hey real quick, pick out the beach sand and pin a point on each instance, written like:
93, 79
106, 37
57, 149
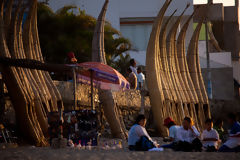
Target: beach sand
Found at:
32, 153
47, 153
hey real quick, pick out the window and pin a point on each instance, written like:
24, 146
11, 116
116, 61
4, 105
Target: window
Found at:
138, 34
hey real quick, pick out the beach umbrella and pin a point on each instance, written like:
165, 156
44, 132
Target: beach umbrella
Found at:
97, 75
103, 76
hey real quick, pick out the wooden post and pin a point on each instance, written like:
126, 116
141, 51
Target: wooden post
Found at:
2, 100
74, 89
142, 109
92, 99
209, 87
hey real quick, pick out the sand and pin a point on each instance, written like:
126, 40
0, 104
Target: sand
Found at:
47, 153
32, 153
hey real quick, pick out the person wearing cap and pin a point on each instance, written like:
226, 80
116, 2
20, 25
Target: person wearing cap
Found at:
172, 127
72, 58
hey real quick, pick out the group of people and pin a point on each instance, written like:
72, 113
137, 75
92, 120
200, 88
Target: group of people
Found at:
135, 77
186, 137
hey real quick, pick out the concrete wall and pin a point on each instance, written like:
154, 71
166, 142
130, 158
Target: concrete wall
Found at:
231, 31
236, 71
222, 83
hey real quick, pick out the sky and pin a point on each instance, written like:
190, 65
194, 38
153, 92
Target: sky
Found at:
225, 2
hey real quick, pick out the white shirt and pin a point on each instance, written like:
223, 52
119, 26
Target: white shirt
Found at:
187, 135
210, 134
135, 133
173, 132
141, 79
233, 142
134, 70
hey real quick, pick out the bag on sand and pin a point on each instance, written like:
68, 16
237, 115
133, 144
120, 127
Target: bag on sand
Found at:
144, 144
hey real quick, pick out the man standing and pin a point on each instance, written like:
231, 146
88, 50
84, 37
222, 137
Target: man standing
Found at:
133, 65
140, 79
132, 79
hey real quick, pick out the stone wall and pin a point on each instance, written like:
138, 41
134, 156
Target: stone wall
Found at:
127, 98
128, 102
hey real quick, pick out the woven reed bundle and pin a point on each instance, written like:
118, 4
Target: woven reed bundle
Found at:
110, 109
23, 104
180, 111
170, 86
172, 39
189, 108
192, 61
181, 55
173, 63
98, 52
213, 40
200, 78
196, 75
168, 97
34, 76
13, 51
172, 110
56, 99
41, 100
152, 68
39, 115
51, 99
32, 90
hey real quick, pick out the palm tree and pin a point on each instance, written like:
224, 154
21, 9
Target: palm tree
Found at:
122, 64
70, 29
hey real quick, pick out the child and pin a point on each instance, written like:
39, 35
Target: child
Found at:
218, 126
170, 124
210, 137
233, 142
188, 137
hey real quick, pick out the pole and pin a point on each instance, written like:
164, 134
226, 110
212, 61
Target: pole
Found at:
2, 100
74, 89
92, 100
209, 88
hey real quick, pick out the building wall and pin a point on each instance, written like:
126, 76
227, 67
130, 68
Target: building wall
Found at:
118, 9
222, 83
133, 18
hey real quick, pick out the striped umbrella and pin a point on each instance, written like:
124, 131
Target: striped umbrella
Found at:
103, 76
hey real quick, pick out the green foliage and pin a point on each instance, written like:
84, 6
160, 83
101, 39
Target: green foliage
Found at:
122, 64
66, 31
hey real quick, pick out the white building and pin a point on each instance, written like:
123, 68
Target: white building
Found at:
133, 18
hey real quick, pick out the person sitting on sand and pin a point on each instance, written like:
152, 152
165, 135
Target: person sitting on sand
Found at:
188, 137
210, 137
172, 127
218, 126
233, 142
138, 138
